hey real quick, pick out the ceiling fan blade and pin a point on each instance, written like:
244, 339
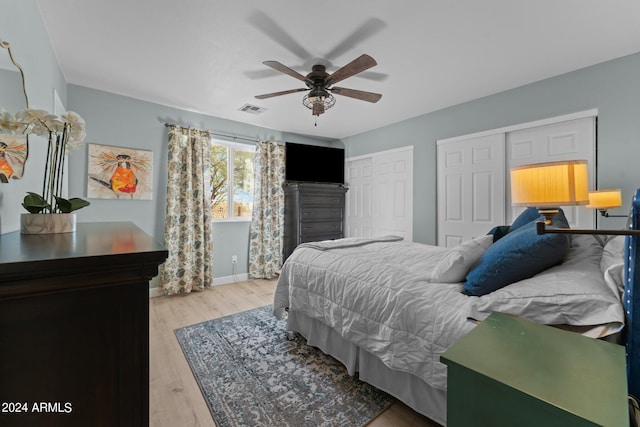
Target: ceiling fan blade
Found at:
372, 75
275, 32
357, 94
284, 92
284, 69
365, 31
361, 63
261, 74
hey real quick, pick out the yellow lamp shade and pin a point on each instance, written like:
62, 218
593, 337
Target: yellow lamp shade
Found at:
549, 185
605, 199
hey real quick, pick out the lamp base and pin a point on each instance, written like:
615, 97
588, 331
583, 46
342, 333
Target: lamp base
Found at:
548, 214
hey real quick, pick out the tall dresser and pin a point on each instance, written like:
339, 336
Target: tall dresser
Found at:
74, 326
313, 212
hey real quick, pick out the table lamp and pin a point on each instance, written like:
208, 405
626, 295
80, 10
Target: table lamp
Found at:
547, 186
602, 200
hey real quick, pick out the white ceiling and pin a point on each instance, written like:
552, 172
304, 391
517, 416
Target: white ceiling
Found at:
206, 55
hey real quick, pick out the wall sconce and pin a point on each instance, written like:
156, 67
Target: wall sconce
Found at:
605, 199
547, 186
541, 228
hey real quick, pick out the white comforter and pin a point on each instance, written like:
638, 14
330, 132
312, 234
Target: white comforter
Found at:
377, 294
387, 307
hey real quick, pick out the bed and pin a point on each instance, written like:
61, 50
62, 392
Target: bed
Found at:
387, 309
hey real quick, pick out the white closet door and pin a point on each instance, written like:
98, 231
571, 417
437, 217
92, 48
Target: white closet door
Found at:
393, 193
380, 196
568, 140
471, 189
359, 204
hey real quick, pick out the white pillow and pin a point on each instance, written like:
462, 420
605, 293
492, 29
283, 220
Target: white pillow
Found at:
455, 265
612, 253
572, 293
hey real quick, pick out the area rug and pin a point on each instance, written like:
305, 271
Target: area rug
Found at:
253, 372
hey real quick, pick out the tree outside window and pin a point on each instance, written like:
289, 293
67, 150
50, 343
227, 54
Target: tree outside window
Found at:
231, 178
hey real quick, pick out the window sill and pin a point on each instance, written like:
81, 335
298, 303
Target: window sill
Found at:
241, 219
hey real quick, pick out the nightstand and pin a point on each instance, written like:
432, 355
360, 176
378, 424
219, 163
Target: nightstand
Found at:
512, 372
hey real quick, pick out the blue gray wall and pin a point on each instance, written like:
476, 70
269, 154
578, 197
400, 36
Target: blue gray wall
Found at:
128, 122
612, 87
22, 26
111, 120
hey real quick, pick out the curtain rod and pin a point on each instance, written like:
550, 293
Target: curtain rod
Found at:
219, 134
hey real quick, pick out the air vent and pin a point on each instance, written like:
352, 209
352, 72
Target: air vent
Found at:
253, 109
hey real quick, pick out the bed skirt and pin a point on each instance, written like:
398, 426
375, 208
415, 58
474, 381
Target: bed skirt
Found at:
408, 388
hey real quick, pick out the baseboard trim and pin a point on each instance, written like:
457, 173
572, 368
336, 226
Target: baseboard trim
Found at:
217, 281
155, 292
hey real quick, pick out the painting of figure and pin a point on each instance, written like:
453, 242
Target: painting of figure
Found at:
13, 154
119, 173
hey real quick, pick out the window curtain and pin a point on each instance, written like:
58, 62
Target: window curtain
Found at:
266, 235
187, 233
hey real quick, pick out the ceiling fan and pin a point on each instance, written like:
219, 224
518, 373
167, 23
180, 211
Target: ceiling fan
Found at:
320, 84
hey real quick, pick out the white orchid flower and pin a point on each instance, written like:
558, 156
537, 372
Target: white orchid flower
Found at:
33, 121
73, 118
76, 129
9, 123
53, 123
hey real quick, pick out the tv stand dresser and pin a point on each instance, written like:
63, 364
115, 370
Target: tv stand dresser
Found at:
312, 212
74, 326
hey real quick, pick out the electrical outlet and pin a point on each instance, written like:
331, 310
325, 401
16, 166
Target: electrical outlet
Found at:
234, 259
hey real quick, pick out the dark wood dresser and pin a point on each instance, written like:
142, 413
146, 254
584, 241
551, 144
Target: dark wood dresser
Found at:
313, 212
74, 326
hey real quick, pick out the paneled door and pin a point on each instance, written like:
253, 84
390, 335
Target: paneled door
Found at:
474, 188
470, 188
359, 203
567, 140
380, 197
393, 193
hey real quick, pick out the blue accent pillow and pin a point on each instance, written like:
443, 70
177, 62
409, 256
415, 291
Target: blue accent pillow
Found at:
631, 299
517, 256
498, 232
525, 217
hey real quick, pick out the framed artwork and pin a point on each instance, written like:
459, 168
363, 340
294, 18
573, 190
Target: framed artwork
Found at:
14, 150
119, 173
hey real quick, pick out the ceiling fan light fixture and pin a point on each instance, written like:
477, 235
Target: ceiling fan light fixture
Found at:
319, 83
318, 101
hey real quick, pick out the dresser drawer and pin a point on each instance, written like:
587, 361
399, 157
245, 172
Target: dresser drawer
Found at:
321, 200
324, 227
321, 213
320, 237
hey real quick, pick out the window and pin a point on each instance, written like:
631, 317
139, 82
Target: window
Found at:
231, 181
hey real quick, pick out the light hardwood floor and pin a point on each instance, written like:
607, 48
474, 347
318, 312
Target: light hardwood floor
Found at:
175, 399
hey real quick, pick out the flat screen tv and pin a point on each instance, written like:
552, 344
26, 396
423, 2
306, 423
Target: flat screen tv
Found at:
312, 163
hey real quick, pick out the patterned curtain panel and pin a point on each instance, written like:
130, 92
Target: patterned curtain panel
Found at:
187, 233
267, 223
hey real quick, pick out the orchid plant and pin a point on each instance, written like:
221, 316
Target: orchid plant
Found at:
64, 133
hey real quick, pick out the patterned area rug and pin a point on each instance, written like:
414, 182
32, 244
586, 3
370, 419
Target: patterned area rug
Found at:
253, 372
